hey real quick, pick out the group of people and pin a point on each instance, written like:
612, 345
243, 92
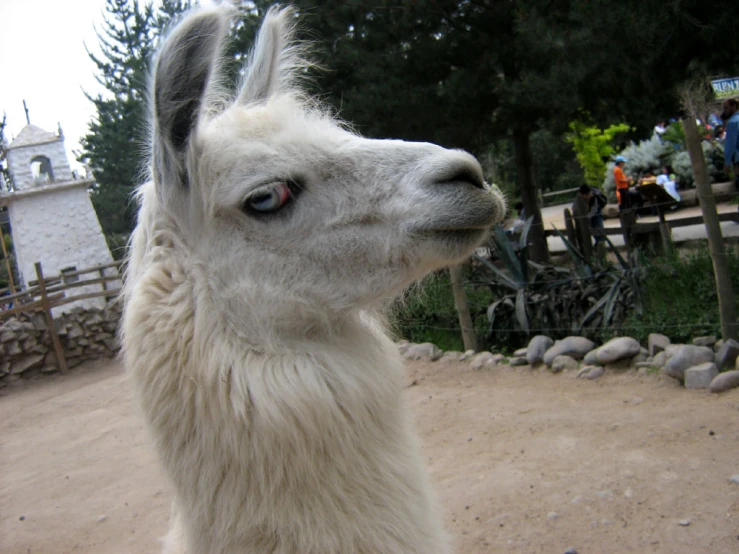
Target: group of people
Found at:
628, 194
730, 117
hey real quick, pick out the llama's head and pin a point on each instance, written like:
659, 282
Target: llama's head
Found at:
280, 212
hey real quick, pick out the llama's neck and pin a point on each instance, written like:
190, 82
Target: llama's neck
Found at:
309, 449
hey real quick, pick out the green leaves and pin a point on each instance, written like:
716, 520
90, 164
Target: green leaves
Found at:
557, 301
593, 146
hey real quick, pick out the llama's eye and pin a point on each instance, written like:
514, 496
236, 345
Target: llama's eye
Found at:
269, 198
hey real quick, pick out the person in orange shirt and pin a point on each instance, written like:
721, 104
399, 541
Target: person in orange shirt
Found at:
622, 183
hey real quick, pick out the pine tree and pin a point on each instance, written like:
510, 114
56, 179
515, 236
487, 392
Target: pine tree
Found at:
115, 146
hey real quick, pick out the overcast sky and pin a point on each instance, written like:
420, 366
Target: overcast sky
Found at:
43, 60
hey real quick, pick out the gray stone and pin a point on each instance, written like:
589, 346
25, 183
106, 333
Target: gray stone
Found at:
4, 367
95, 319
659, 359
74, 332
537, 348
13, 348
467, 354
727, 354
402, 346
425, 350
111, 344
572, 549
595, 373
718, 345
642, 356
590, 372
700, 376
683, 356
7, 336
552, 516
561, 363
25, 363
618, 349
725, 381
576, 347
517, 362
450, 357
483, 359
14, 325
657, 343
644, 365
520, 353
591, 358
28, 344
73, 352
734, 479
704, 341
684, 522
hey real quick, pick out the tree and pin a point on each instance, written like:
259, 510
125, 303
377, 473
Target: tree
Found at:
116, 143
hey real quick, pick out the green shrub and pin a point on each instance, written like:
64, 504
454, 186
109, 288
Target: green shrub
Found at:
426, 312
593, 146
680, 299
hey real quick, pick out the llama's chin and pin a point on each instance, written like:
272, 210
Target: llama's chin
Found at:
453, 245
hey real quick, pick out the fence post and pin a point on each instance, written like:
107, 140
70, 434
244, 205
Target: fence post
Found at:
50, 320
7, 262
463, 308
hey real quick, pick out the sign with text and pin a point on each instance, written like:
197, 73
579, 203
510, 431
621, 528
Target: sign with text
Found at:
726, 88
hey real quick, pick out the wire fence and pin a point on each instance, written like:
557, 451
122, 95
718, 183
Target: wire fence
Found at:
441, 316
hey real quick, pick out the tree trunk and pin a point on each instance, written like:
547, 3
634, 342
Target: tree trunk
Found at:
538, 251
726, 305
463, 308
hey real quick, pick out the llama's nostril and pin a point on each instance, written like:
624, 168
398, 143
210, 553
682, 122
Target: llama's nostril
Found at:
464, 176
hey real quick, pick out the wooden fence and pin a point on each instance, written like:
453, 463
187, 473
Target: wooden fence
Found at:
46, 293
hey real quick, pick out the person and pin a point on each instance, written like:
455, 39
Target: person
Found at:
660, 128
622, 183
730, 115
667, 181
518, 224
596, 200
648, 178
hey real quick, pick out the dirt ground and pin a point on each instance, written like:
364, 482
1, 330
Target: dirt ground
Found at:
523, 461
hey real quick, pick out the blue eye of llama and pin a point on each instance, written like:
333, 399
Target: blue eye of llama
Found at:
269, 198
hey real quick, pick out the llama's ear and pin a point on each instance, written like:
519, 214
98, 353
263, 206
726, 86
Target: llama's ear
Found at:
274, 59
183, 70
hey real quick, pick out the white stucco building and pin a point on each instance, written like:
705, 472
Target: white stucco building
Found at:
50, 212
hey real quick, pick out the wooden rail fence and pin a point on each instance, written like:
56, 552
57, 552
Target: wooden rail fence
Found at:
46, 293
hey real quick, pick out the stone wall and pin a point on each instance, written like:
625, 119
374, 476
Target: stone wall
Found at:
26, 350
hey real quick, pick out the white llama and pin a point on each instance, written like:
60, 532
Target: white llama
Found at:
268, 243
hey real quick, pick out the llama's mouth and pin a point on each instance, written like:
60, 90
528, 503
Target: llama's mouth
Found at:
460, 238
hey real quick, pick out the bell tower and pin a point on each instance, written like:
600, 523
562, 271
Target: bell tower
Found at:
50, 212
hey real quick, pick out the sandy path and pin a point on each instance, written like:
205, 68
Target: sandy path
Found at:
524, 462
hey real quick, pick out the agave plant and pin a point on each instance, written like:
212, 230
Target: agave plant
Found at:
557, 301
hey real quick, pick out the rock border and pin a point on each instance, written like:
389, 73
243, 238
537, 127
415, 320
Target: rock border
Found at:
696, 366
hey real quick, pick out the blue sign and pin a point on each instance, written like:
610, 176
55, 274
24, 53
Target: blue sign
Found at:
726, 88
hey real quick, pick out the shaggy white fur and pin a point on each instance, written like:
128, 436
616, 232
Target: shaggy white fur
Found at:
267, 245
